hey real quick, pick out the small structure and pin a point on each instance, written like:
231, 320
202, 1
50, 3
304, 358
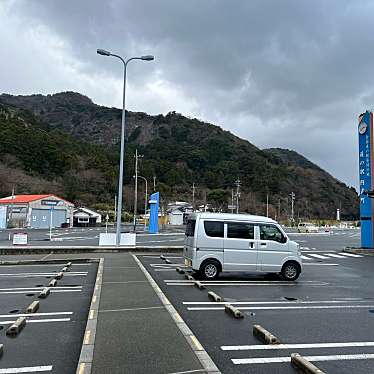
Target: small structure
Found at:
176, 217
84, 217
37, 211
178, 212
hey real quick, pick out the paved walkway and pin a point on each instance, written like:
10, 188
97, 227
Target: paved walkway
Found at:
135, 333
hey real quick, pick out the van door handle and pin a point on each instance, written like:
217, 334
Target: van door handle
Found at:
251, 244
263, 244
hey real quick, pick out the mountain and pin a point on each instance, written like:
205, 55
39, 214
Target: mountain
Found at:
81, 141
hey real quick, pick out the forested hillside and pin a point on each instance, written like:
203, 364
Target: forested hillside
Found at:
66, 144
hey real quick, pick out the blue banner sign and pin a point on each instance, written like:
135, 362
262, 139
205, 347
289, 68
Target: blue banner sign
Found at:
153, 215
365, 135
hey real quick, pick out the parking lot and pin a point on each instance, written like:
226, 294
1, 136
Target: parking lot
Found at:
326, 316
52, 338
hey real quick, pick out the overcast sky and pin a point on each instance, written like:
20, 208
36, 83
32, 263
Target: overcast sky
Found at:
292, 74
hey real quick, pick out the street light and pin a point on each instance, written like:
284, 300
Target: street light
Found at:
146, 200
103, 52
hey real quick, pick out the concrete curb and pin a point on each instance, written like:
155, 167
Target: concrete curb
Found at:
87, 351
180, 271
59, 275
235, 312
304, 365
199, 285
16, 327
33, 307
26, 250
52, 283
44, 294
363, 251
265, 336
213, 296
205, 360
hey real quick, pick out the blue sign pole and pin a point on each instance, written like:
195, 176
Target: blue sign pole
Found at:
365, 135
153, 215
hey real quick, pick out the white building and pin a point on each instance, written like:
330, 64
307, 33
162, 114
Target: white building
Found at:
83, 217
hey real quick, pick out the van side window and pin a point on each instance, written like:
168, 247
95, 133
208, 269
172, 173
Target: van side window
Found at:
213, 229
271, 232
240, 230
190, 228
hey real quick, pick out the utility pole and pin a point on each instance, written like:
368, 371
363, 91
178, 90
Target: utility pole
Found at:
237, 182
279, 209
292, 206
193, 196
232, 201
11, 209
115, 208
267, 205
154, 184
136, 187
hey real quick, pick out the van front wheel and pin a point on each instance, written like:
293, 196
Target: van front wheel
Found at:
210, 269
290, 271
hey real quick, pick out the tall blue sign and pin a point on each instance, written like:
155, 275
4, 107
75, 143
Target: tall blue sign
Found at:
153, 215
365, 135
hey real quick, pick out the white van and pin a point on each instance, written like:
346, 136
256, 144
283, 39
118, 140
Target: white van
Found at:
217, 242
307, 227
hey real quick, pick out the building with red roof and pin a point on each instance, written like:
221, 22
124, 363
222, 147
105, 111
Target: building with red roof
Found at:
36, 211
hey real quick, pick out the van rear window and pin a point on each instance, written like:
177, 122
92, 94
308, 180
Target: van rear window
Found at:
190, 229
213, 229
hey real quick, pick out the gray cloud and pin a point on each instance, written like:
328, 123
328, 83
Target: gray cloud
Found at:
280, 73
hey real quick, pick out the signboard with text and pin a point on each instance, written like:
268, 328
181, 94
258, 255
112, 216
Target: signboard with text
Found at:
365, 135
153, 217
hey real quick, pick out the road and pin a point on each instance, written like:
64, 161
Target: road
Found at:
174, 236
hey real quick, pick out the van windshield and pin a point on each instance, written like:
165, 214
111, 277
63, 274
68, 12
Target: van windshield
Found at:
190, 228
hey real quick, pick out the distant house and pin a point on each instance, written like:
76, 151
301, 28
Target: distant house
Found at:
176, 217
84, 217
178, 212
37, 211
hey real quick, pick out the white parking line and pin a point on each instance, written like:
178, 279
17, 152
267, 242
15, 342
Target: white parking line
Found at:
22, 292
295, 346
244, 281
39, 288
350, 254
317, 256
37, 321
268, 360
317, 264
305, 257
29, 369
30, 275
285, 307
334, 255
271, 302
36, 314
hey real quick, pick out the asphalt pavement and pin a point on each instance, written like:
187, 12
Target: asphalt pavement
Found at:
327, 315
52, 338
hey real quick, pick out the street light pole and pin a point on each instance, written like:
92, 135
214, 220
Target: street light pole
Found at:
292, 194
123, 127
237, 182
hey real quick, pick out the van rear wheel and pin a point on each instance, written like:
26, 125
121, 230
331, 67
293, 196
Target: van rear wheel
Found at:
210, 269
290, 271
